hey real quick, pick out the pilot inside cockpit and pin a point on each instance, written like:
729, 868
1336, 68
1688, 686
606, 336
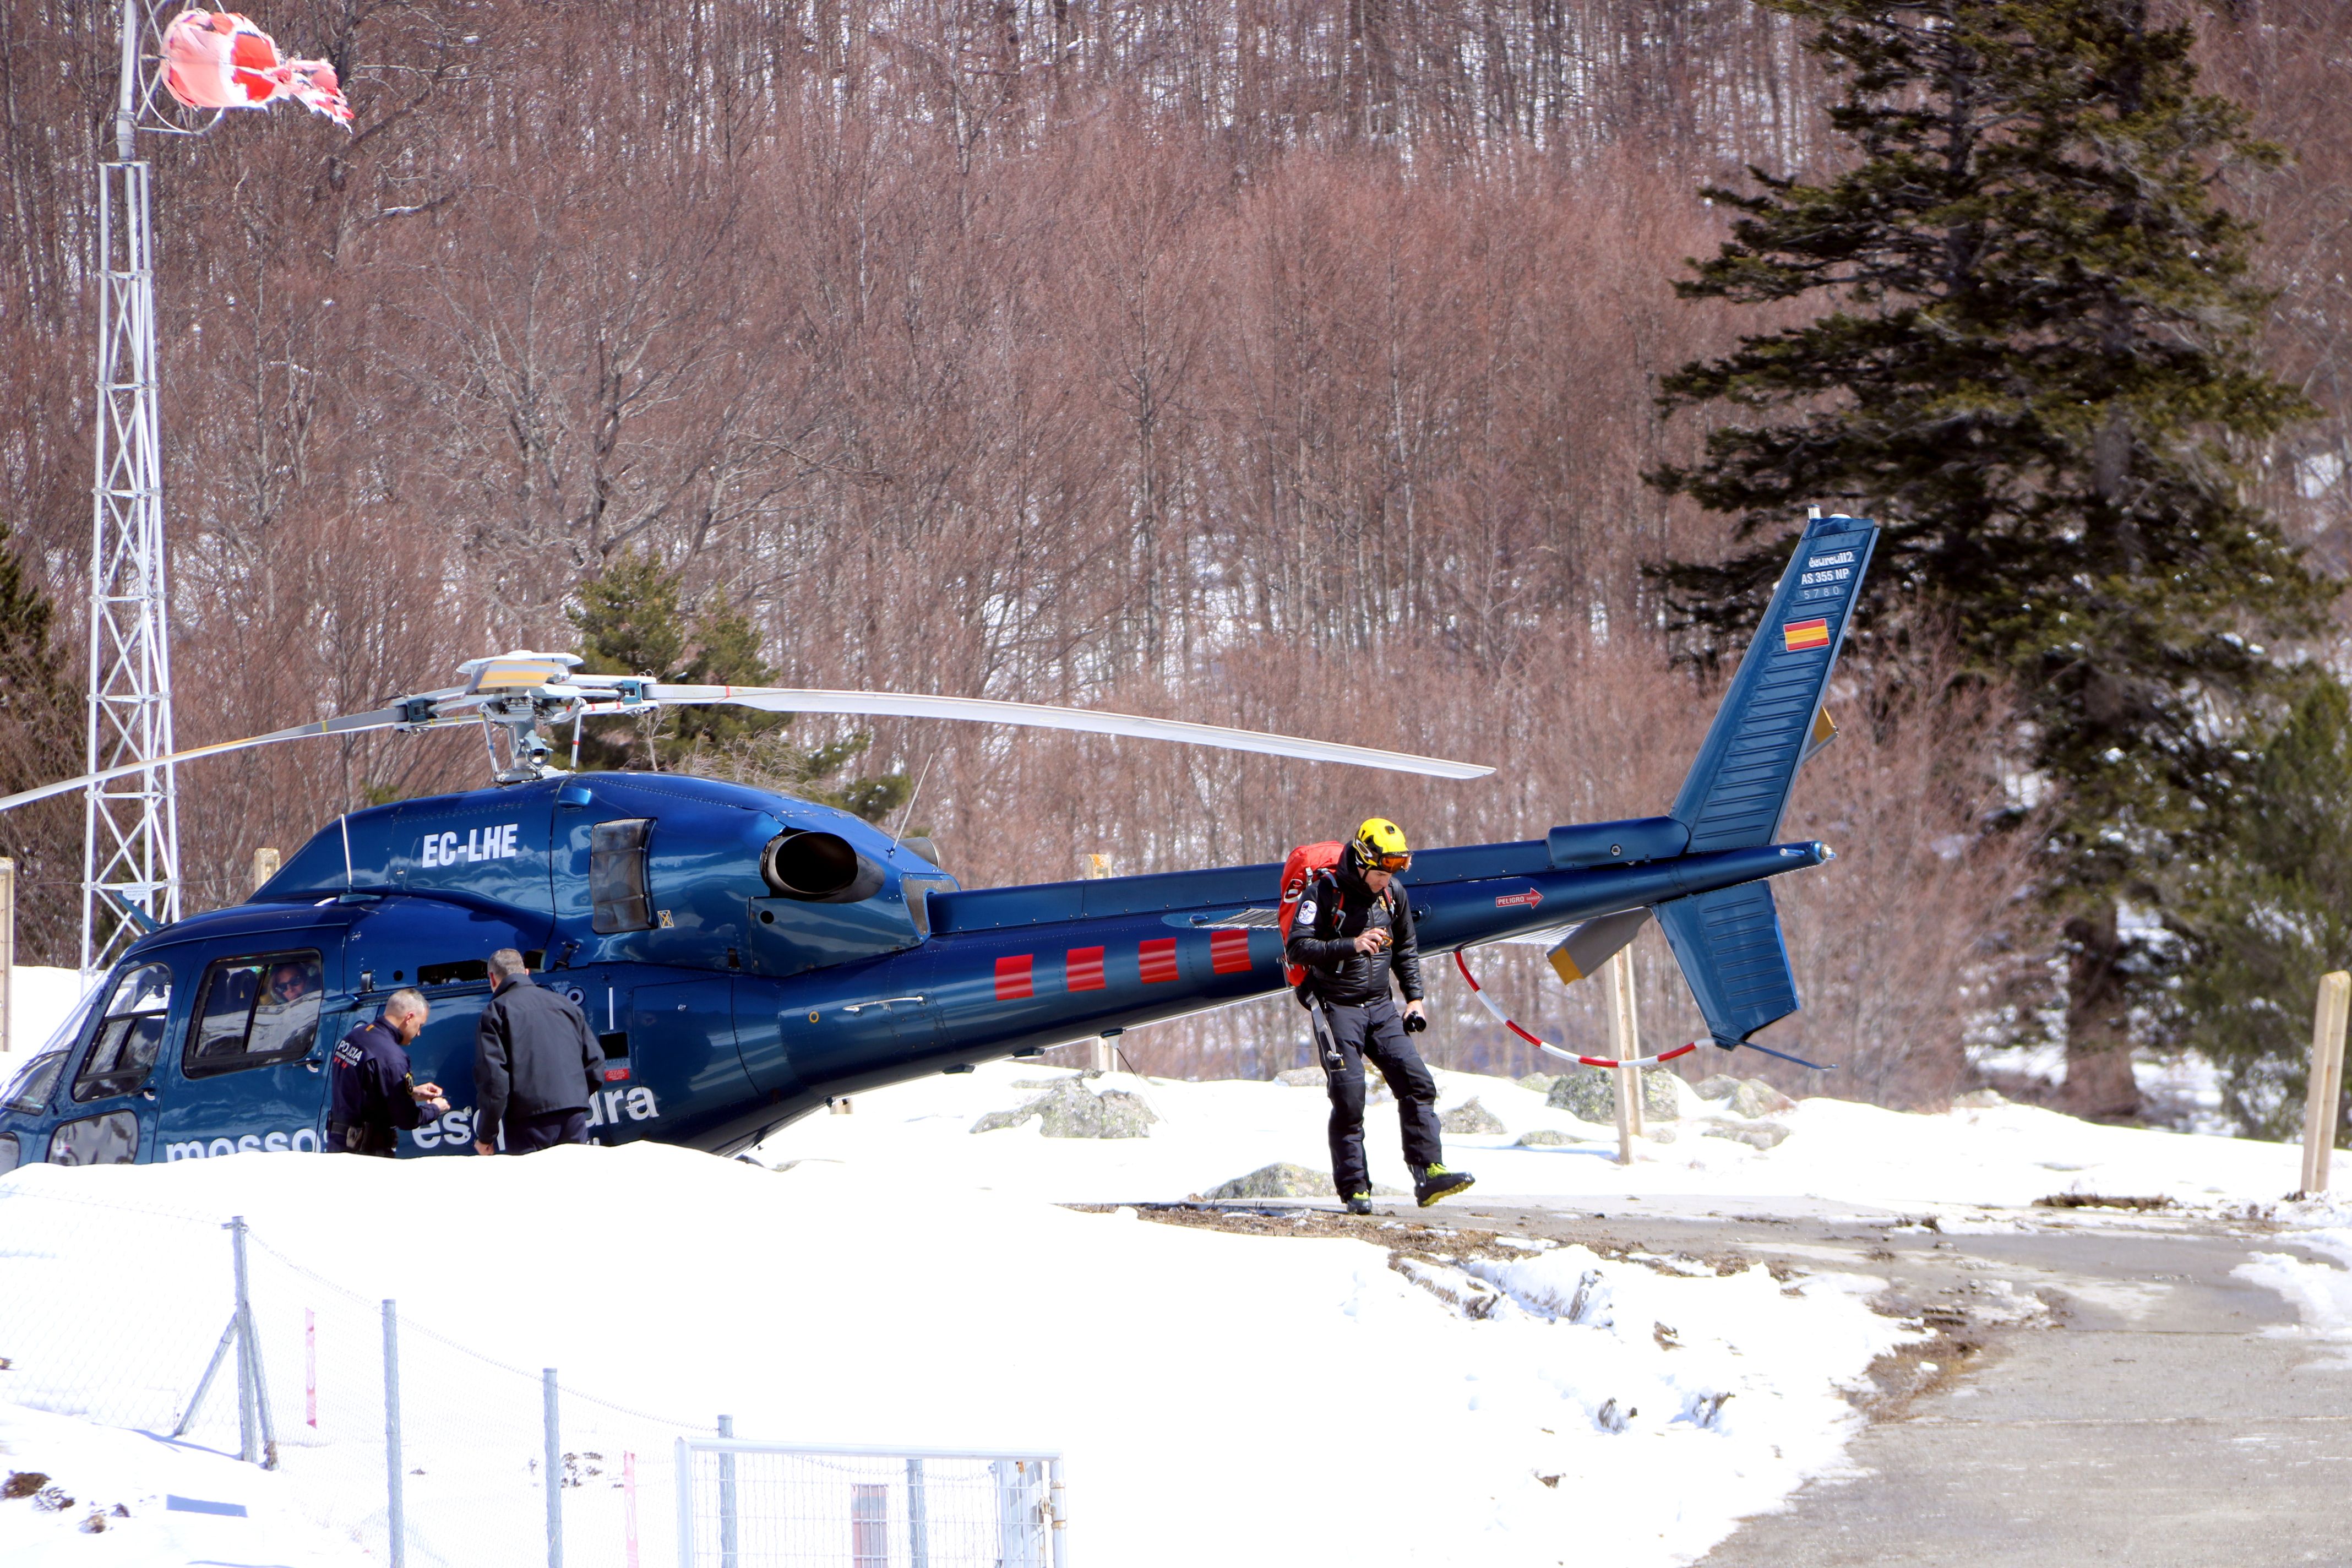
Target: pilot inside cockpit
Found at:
286, 1019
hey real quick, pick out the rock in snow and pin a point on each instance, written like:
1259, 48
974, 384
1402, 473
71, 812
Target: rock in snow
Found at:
1471, 1119
1745, 1096
1755, 1134
1589, 1094
1071, 1109
1279, 1180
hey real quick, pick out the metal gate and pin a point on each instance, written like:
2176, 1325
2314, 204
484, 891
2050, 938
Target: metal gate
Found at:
744, 1504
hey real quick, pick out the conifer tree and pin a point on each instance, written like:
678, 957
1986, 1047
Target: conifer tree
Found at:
41, 737
2264, 922
2035, 367
632, 620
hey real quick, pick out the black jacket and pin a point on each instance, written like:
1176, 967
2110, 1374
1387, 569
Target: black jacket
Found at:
533, 1053
1333, 911
369, 1075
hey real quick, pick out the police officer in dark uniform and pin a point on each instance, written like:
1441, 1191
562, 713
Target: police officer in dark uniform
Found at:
536, 1062
1351, 933
372, 1094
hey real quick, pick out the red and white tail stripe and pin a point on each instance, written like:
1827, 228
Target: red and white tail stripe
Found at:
1543, 1045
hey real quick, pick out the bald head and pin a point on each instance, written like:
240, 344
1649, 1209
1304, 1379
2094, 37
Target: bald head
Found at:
404, 1012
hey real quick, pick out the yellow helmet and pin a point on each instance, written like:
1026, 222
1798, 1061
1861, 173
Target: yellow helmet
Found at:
1380, 846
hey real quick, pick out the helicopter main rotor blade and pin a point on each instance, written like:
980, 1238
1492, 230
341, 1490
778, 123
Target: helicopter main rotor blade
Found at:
985, 711
348, 724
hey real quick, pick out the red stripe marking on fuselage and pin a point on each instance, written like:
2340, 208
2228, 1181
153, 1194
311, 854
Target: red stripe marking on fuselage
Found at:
1013, 978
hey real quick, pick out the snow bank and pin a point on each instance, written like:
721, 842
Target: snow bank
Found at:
2320, 1293
126, 1498
40, 998
1219, 1397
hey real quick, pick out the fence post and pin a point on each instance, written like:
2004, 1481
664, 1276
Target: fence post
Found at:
682, 1479
629, 1504
7, 952
395, 1515
1626, 1034
1060, 1514
727, 1498
2326, 1083
918, 1518
554, 1472
249, 1401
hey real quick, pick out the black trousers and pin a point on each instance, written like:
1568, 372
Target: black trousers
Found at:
526, 1134
1375, 1033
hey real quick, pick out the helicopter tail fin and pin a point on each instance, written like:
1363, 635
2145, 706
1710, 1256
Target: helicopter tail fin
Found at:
1771, 714
1729, 942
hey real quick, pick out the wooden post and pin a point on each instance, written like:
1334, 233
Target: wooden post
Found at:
1626, 1034
2326, 1083
1102, 1055
265, 866
8, 952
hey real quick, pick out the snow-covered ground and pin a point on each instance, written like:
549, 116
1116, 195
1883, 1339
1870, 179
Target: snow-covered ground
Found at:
2004, 1155
892, 1277
1236, 1398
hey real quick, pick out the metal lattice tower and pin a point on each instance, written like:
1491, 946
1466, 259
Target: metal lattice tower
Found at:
131, 833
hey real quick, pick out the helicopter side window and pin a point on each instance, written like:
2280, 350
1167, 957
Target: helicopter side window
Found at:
129, 1034
617, 875
253, 1011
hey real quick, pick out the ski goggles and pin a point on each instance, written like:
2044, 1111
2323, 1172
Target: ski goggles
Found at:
1374, 860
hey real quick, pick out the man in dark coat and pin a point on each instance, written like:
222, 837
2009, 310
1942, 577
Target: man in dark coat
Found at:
536, 1064
373, 1099
1353, 935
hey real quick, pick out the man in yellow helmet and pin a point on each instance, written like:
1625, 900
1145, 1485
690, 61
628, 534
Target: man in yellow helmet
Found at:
1352, 934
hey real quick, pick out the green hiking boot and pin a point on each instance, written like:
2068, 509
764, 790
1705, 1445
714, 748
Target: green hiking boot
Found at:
1357, 1203
1432, 1182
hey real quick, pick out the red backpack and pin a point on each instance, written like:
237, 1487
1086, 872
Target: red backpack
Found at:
1297, 872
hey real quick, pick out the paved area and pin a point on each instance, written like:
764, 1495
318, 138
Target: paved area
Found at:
2146, 1417
2101, 1388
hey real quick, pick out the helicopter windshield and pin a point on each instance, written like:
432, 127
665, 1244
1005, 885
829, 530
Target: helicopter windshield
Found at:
30, 1090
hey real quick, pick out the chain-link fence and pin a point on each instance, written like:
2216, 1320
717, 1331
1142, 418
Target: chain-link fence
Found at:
408, 1442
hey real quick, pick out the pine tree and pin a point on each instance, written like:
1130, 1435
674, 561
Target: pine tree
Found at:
2262, 923
2036, 370
632, 620
41, 737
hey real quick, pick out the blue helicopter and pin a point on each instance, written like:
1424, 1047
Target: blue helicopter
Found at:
745, 956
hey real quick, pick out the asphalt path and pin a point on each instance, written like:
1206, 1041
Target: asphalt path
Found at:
2102, 1388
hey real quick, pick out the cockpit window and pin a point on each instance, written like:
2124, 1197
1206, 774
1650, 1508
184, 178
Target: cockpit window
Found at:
129, 1034
617, 875
255, 1010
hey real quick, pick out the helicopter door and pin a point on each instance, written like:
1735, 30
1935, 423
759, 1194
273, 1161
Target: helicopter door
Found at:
249, 1059
682, 1067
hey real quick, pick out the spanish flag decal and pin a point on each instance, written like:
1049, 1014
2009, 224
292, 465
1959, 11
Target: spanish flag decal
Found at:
1802, 635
